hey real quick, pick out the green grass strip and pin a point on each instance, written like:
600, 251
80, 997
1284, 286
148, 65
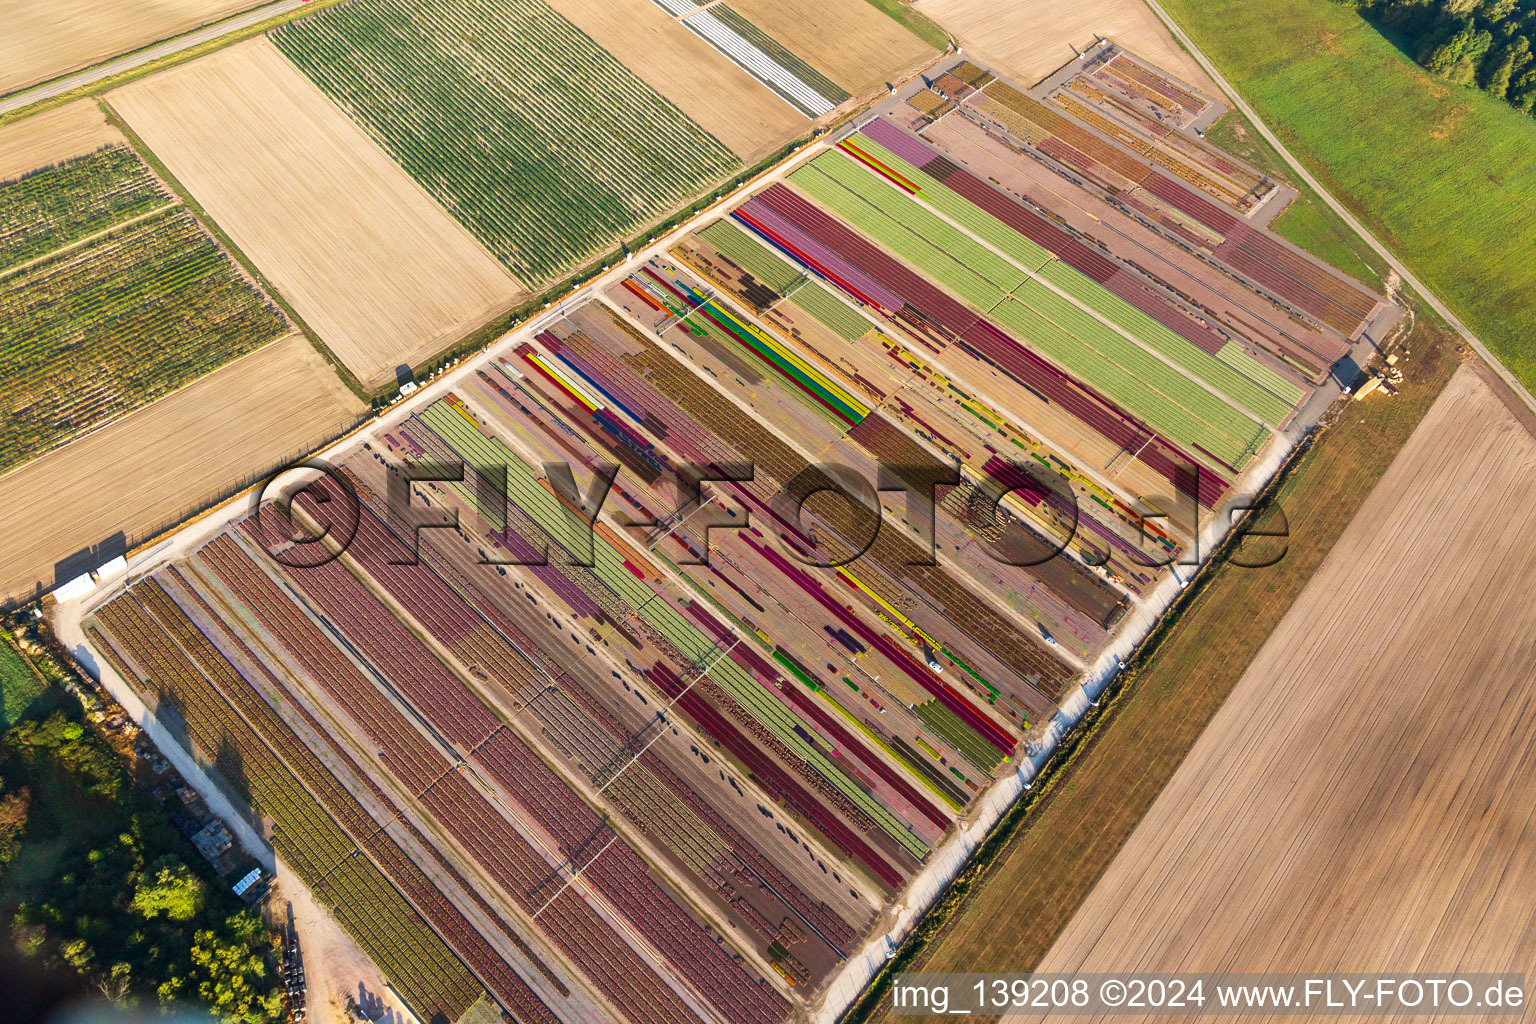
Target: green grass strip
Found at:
750, 255
819, 304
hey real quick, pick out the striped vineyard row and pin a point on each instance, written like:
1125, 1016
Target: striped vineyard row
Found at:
1089, 277
493, 970
230, 641
897, 561
428, 686
1240, 195
539, 141
1312, 289
693, 646
937, 321
57, 205
574, 720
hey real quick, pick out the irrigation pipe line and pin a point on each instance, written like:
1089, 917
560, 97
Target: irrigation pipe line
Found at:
1338, 208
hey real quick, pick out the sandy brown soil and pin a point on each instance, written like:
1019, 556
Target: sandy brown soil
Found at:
137, 473
850, 41
727, 102
1363, 800
74, 129
44, 39
1028, 39
334, 967
371, 263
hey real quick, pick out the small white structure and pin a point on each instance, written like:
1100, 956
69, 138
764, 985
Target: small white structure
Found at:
77, 587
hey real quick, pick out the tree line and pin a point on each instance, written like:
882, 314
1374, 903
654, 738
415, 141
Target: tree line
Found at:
1482, 43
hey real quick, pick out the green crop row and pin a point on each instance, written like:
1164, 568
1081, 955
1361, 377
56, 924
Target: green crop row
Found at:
836, 316
943, 245
958, 735
960, 209
556, 520
305, 834
1178, 350
539, 141
898, 238
90, 333
54, 206
1129, 375
750, 255
1237, 357
1264, 394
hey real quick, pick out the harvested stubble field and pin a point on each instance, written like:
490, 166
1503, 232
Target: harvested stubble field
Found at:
540, 142
184, 451
365, 257
1005, 912
1030, 39
1363, 800
74, 129
849, 41
717, 95
44, 39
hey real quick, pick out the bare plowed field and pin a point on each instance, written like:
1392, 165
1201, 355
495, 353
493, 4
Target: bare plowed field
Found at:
1031, 38
53, 136
44, 40
852, 42
720, 97
1363, 800
134, 475
369, 261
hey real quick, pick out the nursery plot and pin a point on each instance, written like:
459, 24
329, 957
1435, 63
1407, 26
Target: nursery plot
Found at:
111, 295
136, 476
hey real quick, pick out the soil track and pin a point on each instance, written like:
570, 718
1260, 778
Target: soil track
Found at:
1364, 800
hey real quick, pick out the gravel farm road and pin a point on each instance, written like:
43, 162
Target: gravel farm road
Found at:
149, 54
1392, 261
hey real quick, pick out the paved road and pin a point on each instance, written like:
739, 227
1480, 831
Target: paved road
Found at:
147, 55
1381, 250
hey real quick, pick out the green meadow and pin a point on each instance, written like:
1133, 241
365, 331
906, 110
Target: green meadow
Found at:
1444, 175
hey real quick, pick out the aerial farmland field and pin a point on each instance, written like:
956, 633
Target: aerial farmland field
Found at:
112, 293
995, 31
850, 41
75, 129
713, 92
707, 742
135, 476
45, 40
366, 258
544, 145
1335, 815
